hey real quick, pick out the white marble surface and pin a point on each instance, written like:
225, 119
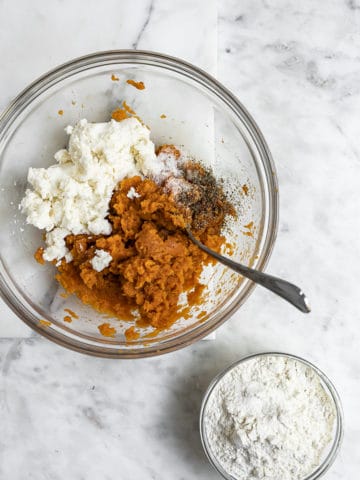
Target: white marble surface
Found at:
296, 67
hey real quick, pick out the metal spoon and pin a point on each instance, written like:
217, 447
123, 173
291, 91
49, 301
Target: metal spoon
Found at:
284, 289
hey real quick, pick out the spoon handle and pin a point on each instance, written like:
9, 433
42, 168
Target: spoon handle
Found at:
284, 289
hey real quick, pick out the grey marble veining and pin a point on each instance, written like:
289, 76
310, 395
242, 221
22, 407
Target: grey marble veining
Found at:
296, 67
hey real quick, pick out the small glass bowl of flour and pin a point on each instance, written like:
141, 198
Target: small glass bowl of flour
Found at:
271, 416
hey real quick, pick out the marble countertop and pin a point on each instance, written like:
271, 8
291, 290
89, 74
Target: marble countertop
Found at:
296, 67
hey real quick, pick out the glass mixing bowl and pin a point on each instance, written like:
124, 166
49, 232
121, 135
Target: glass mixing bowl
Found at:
182, 105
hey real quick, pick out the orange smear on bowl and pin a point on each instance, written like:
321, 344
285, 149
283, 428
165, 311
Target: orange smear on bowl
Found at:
131, 334
44, 323
124, 112
138, 85
38, 255
107, 330
70, 312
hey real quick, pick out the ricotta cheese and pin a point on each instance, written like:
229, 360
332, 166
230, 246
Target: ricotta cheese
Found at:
101, 260
132, 193
73, 195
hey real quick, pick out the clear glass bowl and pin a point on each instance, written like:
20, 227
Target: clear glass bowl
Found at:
201, 115
331, 451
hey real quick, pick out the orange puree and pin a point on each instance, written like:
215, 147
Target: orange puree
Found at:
71, 313
131, 334
123, 112
138, 85
106, 330
39, 255
153, 260
44, 323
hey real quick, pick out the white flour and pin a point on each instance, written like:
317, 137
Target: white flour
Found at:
269, 418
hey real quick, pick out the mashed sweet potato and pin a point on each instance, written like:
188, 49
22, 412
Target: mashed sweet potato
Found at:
153, 260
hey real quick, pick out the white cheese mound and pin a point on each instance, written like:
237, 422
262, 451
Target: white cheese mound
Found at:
73, 195
132, 193
101, 260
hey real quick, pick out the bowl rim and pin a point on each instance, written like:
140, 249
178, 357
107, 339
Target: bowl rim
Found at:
330, 388
108, 57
